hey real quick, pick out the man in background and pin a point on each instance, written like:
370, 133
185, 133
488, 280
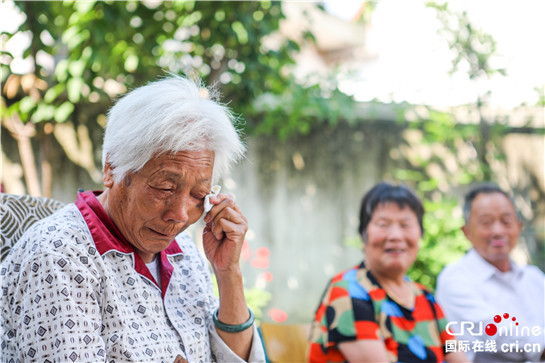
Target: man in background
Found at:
488, 289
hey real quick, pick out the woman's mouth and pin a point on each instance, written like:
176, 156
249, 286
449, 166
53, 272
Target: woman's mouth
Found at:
162, 235
394, 250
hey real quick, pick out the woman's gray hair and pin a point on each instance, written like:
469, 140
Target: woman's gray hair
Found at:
167, 116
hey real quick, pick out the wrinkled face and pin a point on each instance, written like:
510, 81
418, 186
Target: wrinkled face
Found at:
152, 206
493, 227
393, 236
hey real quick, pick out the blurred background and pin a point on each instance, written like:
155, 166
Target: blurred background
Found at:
332, 97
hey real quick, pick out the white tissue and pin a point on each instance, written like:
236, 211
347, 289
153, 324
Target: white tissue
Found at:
214, 191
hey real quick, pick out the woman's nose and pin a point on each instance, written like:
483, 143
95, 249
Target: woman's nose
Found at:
395, 232
176, 209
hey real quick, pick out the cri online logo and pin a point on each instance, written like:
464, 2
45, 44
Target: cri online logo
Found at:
492, 329
478, 329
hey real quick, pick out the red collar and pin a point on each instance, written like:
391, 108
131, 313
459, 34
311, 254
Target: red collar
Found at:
107, 237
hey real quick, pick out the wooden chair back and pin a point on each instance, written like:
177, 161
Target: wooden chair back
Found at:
285, 343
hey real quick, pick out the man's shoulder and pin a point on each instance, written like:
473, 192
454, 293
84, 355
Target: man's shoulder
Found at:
459, 270
533, 272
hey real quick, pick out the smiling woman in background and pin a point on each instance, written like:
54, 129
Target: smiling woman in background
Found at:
373, 312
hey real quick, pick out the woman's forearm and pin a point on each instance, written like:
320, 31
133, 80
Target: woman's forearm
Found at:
234, 311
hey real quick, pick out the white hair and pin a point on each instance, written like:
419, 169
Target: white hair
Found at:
167, 116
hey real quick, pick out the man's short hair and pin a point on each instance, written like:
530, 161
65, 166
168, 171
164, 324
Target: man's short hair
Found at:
484, 188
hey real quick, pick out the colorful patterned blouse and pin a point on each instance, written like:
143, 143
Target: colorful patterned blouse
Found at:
355, 307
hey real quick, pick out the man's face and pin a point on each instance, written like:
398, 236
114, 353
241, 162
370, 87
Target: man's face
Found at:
493, 227
152, 206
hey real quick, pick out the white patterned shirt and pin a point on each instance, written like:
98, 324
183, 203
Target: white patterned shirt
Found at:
73, 289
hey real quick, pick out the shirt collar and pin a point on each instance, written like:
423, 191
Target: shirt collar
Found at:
484, 270
107, 237
105, 233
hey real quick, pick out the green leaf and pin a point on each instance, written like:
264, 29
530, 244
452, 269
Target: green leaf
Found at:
84, 6
62, 113
44, 112
240, 31
61, 70
86, 54
76, 68
26, 104
54, 92
131, 63
74, 87
69, 34
73, 36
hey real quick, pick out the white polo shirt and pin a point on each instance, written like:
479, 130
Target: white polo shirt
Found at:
473, 290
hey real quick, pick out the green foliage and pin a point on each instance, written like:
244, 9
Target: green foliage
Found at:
472, 48
96, 51
540, 91
301, 110
231, 46
443, 241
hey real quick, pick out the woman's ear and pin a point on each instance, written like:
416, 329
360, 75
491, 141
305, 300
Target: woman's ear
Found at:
108, 176
363, 238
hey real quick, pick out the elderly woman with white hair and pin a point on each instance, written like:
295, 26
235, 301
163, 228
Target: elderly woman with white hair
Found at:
113, 276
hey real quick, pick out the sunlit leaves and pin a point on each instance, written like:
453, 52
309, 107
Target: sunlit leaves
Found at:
131, 63
74, 87
74, 36
43, 112
27, 104
75, 68
443, 240
63, 111
126, 44
473, 49
84, 7
240, 31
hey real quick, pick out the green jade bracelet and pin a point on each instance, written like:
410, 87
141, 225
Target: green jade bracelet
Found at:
233, 328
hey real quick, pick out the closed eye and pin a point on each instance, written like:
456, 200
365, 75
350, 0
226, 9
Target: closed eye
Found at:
165, 190
486, 223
